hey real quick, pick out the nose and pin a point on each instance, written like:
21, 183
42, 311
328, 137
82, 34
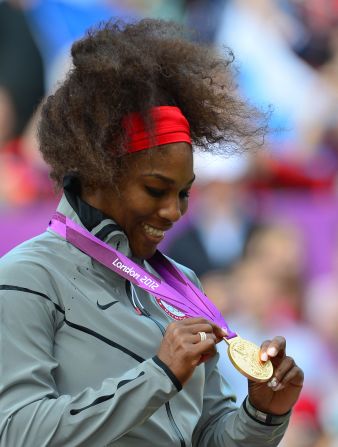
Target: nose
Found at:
171, 210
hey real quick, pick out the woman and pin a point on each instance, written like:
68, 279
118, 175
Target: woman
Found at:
88, 358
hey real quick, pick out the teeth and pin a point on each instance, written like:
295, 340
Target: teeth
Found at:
153, 231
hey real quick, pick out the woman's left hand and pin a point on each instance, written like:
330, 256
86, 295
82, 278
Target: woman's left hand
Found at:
282, 391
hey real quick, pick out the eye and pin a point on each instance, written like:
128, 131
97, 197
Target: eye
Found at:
155, 192
185, 194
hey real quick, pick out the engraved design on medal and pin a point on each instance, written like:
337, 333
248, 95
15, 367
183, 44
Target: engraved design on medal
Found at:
244, 355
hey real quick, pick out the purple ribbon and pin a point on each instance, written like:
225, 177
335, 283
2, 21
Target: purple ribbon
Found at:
175, 288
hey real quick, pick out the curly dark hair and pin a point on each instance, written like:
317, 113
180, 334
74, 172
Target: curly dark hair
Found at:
122, 68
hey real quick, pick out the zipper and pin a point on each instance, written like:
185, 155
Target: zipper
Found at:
141, 310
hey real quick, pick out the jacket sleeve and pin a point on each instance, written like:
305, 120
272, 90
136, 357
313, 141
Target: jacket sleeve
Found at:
32, 411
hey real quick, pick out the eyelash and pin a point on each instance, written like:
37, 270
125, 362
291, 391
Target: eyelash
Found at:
185, 194
158, 193
154, 192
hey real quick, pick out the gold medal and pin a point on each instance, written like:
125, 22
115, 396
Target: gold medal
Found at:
244, 355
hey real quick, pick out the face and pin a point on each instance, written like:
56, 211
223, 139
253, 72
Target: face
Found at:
153, 195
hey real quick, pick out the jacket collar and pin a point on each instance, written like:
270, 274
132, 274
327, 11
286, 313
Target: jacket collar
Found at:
100, 225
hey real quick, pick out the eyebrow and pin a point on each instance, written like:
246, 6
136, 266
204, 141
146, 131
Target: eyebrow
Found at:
167, 179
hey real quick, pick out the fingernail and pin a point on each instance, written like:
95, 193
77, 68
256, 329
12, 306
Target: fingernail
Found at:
273, 383
272, 351
264, 356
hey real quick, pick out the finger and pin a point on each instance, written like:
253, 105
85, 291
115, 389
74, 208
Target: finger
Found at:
263, 351
294, 377
207, 356
197, 338
196, 328
191, 333
194, 352
273, 348
192, 323
195, 320
219, 332
179, 328
277, 347
282, 369
206, 347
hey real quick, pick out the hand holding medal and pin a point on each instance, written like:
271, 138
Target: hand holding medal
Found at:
279, 394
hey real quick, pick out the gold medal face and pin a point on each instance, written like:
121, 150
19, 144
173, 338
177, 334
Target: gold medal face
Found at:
244, 355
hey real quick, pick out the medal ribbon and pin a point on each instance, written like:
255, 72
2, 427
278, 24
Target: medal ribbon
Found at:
175, 288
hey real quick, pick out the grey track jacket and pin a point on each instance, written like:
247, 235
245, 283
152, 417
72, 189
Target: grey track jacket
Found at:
78, 363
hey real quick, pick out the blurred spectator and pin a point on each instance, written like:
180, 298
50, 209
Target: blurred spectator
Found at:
329, 69
21, 74
321, 305
23, 172
317, 20
305, 429
279, 250
220, 219
57, 23
23, 177
271, 73
217, 284
204, 17
322, 310
167, 10
328, 414
260, 301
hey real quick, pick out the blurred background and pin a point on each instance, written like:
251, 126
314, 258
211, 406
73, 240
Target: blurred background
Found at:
262, 229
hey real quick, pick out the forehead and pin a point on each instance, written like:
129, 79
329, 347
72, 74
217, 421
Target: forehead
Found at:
173, 161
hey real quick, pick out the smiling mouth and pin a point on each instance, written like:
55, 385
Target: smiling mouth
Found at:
154, 232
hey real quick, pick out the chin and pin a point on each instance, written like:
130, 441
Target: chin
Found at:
144, 253
148, 254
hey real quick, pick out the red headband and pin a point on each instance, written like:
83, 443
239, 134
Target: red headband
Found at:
170, 126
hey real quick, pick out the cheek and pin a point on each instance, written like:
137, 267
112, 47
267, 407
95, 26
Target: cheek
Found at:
138, 208
184, 207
